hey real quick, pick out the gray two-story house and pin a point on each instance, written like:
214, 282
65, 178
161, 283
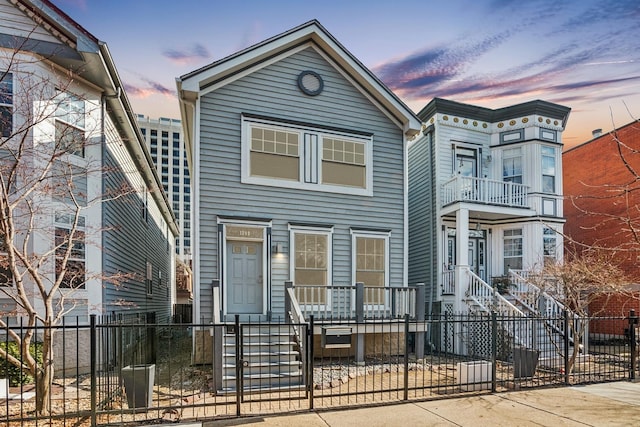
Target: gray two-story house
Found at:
298, 159
298, 162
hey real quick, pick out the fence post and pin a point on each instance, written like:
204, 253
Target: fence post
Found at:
420, 321
406, 357
494, 349
92, 346
239, 385
566, 346
359, 322
310, 349
633, 321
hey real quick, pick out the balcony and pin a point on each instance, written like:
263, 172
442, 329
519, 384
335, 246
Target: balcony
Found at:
484, 191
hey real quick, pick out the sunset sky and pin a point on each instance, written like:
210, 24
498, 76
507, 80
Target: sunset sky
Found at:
584, 54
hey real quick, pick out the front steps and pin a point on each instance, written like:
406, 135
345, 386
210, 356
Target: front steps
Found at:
270, 357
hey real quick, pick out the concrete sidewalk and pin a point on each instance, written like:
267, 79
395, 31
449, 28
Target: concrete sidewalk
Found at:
609, 404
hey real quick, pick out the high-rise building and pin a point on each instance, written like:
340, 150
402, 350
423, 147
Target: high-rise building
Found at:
165, 142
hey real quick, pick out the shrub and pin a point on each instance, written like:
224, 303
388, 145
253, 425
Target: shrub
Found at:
9, 370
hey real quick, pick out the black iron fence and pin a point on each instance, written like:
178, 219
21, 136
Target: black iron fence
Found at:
116, 371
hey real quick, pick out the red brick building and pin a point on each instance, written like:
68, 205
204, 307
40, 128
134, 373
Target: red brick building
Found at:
602, 204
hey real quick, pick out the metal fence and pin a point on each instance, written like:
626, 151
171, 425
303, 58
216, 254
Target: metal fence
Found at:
116, 371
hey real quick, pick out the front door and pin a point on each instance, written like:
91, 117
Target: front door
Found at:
245, 285
477, 257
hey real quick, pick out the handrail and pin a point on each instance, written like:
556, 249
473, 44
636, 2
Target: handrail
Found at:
295, 314
488, 299
541, 302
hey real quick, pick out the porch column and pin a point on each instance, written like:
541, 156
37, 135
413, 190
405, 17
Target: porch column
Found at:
462, 256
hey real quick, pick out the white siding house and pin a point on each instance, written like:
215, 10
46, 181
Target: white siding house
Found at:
485, 194
60, 86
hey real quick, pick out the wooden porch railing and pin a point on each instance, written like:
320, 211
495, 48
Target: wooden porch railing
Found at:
483, 190
356, 303
448, 282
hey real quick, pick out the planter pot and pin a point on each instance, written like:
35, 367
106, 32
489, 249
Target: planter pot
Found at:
138, 385
525, 361
476, 375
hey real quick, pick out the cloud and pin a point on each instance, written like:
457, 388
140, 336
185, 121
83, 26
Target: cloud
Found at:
435, 65
151, 88
192, 54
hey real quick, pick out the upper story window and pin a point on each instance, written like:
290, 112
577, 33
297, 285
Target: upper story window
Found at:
6, 104
70, 124
512, 165
465, 161
275, 153
70, 266
303, 157
548, 169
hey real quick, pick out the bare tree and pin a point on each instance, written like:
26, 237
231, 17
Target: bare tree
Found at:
46, 164
577, 282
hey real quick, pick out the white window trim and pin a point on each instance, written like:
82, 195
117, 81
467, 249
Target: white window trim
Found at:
246, 177
82, 293
328, 232
555, 165
386, 235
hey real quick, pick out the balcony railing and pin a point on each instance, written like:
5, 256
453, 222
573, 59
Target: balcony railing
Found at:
483, 190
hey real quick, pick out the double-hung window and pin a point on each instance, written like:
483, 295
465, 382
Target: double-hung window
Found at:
512, 240
548, 169
371, 264
549, 245
70, 265
306, 157
512, 165
311, 266
70, 124
6, 104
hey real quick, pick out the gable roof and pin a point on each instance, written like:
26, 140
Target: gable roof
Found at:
189, 85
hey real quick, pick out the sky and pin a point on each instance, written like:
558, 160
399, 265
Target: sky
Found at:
584, 54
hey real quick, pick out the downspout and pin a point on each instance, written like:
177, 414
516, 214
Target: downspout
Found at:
103, 156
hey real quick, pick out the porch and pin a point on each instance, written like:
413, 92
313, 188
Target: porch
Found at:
359, 309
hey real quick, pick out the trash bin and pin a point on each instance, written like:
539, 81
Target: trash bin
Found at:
138, 385
525, 361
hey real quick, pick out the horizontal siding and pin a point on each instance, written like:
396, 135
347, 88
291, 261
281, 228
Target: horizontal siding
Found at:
14, 22
423, 243
273, 92
129, 240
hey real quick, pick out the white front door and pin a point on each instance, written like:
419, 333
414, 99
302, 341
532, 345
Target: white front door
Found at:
245, 284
